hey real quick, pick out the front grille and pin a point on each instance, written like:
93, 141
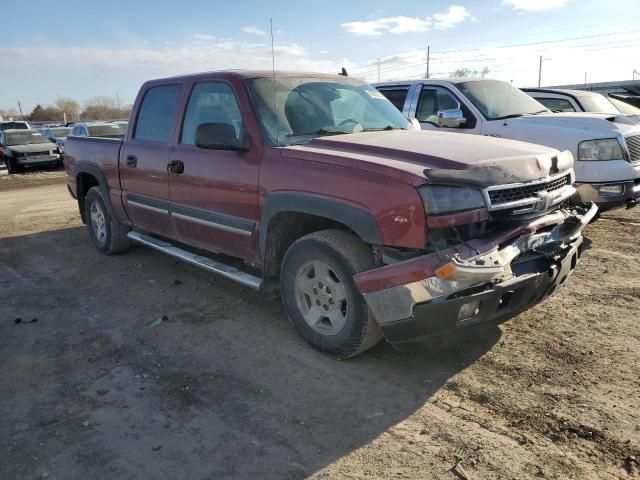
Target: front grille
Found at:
633, 144
32, 154
508, 195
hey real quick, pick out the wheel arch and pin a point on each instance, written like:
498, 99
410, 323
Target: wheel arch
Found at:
89, 175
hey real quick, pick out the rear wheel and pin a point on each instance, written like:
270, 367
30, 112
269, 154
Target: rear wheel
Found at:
107, 234
320, 296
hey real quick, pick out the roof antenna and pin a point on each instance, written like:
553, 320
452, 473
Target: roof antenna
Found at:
508, 98
343, 72
273, 70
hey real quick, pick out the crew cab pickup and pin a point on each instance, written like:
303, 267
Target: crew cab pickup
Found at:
606, 148
365, 226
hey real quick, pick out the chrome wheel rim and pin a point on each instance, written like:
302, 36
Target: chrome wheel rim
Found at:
98, 222
322, 297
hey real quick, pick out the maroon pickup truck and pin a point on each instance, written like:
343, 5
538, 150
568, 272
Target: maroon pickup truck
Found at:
363, 225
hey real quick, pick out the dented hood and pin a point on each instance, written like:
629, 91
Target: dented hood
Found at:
439, 157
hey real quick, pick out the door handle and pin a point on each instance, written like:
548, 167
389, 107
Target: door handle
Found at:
132, 161
176, 166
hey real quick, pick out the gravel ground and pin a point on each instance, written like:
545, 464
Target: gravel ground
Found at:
223, 388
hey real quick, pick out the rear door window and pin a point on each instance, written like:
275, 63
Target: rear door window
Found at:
397, 96
157, 113
557, 104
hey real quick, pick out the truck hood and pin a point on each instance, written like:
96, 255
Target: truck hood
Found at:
33, 147
438, 157
593, 125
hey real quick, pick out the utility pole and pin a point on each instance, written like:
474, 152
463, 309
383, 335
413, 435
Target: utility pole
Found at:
540, 72
378, 70
635, 72
20, 108
428, 58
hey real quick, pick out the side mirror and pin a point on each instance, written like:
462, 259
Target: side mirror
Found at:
452, 118
220, 136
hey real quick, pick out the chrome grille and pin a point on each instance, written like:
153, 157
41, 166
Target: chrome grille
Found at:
633, 144
514, 194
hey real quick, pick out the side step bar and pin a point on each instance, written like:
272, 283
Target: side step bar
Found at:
214, 266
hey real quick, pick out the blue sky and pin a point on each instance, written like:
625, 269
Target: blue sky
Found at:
82, 49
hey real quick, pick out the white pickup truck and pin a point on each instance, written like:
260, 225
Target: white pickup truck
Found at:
606, 148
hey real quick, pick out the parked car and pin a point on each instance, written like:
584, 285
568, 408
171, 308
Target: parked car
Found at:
57, 135
21, 148
624, 107
14, 125
97, 129
563, 100
607, 152
363, 224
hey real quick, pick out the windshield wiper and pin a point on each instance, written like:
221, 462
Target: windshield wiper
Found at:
388, 127
511, 115
540, 111
322, 131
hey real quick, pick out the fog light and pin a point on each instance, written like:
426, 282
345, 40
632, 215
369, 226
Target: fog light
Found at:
611, 189
469, 310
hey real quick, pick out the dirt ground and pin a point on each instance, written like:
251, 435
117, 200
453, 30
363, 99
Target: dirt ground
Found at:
225, 389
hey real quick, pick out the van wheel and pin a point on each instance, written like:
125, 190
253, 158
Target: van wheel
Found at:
320, 296
107, 234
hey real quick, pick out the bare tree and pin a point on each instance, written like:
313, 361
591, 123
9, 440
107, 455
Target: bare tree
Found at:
42, 114
467, 72
104, 108
70, 107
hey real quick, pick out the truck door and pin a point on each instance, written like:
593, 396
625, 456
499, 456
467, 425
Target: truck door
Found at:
213, 190
432, 99
144, 157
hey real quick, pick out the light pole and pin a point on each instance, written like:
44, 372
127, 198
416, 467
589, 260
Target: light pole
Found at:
540, 70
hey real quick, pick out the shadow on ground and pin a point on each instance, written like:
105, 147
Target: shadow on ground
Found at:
222, 388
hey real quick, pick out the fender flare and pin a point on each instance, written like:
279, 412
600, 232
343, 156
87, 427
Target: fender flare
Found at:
362, 222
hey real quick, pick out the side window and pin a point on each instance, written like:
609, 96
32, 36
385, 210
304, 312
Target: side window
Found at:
397, 96
557, 104
156, 114
211, 102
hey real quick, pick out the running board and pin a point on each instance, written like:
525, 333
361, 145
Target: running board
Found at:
214, 266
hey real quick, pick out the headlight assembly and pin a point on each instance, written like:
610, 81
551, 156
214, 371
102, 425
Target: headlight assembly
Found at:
604, 149
440, 200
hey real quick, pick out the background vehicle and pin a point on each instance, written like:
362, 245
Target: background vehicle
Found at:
365, 226
624, 107
607, 152
20, 148
57, 135
562, 100
14, 125
97, 129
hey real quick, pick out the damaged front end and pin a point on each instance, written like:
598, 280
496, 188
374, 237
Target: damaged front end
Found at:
487, 279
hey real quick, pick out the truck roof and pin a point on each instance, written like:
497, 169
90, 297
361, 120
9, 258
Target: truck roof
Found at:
433, 80
243, 74
566, 91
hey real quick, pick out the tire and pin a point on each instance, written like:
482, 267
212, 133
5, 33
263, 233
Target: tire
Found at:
320, 296
107, 234
12, 166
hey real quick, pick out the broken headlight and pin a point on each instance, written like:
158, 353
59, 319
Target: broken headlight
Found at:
440, 200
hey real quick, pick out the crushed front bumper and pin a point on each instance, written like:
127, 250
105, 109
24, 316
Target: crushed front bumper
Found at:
411, 302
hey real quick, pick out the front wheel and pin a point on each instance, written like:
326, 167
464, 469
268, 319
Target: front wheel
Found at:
12, 166
320, 296
107, 234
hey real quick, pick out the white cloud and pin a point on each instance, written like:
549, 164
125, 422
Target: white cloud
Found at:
402, 24
202, 36
534, 5
380, 26
251, 30
454, 15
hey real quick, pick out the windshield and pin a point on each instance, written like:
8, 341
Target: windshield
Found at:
497, 100
60, 132
598, 104
106, 131
625, 107
14, 125
305, 108
25, 137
